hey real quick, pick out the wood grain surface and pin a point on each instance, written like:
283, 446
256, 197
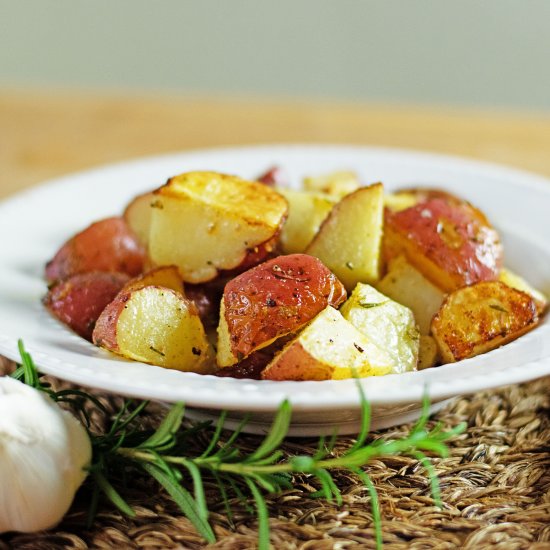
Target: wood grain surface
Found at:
44, 134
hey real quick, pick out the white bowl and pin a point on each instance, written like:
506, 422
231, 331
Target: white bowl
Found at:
36, 222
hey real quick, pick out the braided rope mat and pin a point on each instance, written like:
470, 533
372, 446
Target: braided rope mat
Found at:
495, 487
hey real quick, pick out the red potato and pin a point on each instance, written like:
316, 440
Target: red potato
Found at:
450, 243
155, 325
208, 223
138, 216
479, 318
272, 300
106, 245
79, 300
274, 177
167, 276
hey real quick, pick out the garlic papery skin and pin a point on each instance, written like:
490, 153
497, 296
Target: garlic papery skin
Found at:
44, 452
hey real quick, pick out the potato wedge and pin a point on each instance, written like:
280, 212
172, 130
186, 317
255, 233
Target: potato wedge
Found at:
481, 317
336, 184
450, 243
306, 212
138, 216
271, 300
512, 279
406, 285
205, 222
349, 240
106, 245
329, 348
428, 353
155, 325
387, 324
166, 276
79, 300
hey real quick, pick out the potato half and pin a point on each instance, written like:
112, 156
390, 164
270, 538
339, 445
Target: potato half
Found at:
385, 323
306, 212
329, 348
406, 285
349, 240
272, 300
481, 317
204, 222
449, 242
155, 325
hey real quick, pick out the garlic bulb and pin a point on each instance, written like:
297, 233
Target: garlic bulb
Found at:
43, 453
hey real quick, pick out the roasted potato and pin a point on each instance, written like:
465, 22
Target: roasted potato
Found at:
428, 352
271, 300
512, 279
306, 212
349, 240
155, 325
329, 348
274, 177
138, 216
451, 243
387, 324
79, 300
481, 317
406, 285
166, 276
205, 222
337, 184
106, 245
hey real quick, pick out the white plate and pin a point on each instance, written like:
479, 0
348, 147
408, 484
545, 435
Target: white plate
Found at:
35, 223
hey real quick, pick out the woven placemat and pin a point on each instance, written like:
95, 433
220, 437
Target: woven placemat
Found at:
495, 487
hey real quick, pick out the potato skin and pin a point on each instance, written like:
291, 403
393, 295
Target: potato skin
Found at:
79, 300
155, 325
481, 317
451, 243
106, 245
276, 298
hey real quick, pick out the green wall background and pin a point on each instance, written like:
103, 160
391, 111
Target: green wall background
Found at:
489, 53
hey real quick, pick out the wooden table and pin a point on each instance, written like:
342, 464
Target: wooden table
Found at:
46, 134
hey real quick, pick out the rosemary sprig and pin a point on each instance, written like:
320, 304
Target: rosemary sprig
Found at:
165, 455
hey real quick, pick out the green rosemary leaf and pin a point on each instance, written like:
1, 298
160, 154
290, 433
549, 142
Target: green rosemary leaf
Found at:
183, 499
111, 493
227, 448
198, 487
225, 498
240, 495
374, 503
434, 481
82, 394
121, 424
264, 481
18, 373
262, 514
92, 509
330, 489
365, 419
425, 415
29, 368
216, 436
168, 427
276, 434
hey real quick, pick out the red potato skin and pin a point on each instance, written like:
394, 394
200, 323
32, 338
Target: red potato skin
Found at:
451, 243
277, 297
273, 177
79, 300
106, 245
